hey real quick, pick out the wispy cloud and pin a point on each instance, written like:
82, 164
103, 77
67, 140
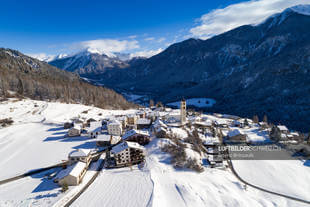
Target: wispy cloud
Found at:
132, 36
149, 39
230, 17
109, 46
160, 40
41, 56
146, 53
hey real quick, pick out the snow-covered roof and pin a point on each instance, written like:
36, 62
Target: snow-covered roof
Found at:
212, 150
143, 121
159, 123
107, 138
133, 132
220, 121
131, 115
103, 137
121, 118
236, 122
76, 127
234, 132
211, 140
79, 153
124, 145
73, 170
282, 128
95, 124
204, 123
175, 112
114, 122
295, 133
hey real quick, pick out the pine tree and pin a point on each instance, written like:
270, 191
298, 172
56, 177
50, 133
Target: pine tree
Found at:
20, 88
246, 123
255, 119
275, 133
265, 119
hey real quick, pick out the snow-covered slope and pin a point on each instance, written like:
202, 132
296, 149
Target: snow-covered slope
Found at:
301, 9
158, 184
36, 139
289, 177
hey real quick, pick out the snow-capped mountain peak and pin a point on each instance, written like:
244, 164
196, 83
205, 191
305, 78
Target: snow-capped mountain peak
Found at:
301, 9
100, 52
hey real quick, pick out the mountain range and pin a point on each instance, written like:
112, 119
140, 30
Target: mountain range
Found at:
28, 77
253, 69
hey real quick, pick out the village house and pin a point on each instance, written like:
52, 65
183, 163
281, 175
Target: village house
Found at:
123, 121
115, 128
128, 153
237, 123
152, 115
74, 131
143, 123
95, 128
211, 141
68, 125
141, 137
105, 140
80, 155
173, 116
88, 122
236, 136
131, 119
221, 123
159, 129
203, 124
283, 129
215, 160
72, 175
141, 114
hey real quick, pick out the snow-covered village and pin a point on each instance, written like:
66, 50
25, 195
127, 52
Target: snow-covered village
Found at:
72, 154
155, 103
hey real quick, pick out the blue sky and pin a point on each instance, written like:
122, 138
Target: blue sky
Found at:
142, 27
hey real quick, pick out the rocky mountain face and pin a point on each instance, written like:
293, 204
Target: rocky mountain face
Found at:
88, 64
29, 77
253, 69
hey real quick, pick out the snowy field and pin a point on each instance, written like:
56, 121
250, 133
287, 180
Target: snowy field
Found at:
158, 184
36, 139
118, 187
36, 190
197, 102
289, 177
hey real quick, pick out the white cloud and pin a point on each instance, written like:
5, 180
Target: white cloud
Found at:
161, 39
146, 53
109, 46
149, 39
42, 56
230, 17
132, 36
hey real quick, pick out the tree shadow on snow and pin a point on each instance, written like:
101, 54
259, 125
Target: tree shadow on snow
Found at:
86, 145
57, 133
75, 139
55, 129
56, 138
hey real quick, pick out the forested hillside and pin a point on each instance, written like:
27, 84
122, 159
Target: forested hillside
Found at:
38, 80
